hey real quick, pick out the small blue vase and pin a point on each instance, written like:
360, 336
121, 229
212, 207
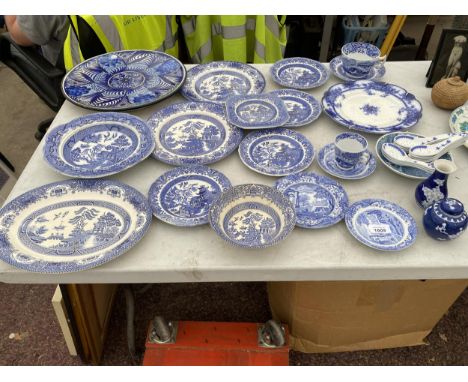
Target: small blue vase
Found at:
445, 219
434, 188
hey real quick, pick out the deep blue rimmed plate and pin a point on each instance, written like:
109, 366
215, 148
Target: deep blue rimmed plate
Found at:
72, 225
336, 67
299, 73
123, 80
183, 195
302, 107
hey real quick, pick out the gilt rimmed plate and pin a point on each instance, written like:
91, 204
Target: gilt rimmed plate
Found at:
458, 121
98, 145
302, 107
183, 195
371, 106
252, 216
336, 67
123, 80
319, 201
72, 225
381, 224
299, 73
192, 133
276, 152
218, 80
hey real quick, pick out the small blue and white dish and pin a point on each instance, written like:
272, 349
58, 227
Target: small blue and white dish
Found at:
72, 225
327, 161
302, 107
252, 216
336, 67
123, 80
299, 73
319, 201
445, 219
381, 224
183, 196
192, 133
98, 145
262, 111
371, 106
276, 152
218, 80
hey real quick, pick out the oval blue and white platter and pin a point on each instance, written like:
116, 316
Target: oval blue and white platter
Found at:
299, 73
302, 107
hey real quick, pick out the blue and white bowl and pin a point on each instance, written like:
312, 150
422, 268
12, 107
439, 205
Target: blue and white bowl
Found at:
359, 58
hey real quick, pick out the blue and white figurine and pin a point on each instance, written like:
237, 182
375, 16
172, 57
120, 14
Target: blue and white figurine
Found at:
299, 73
303, 108
445, 219
336, 67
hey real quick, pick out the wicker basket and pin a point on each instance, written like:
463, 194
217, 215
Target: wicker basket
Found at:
449, 93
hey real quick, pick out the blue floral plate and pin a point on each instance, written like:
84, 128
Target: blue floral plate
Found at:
302, 107
252, 216
372, 107
261, 111
123, 80
276, 152
218, 80
72, 225
183, 195
381, 224
98, 145
299, 73
336, 67
193, 133
319, 201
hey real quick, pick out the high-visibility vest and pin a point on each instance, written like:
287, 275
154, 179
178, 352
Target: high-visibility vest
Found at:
123, 32
256, 39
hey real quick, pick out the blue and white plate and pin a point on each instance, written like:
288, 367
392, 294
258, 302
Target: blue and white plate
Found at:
261, 111
98, 145
381, 224
302, 107
193, 133
327, 161
336, 67
406, 171
319, 201
276, 152
252, 216
183, 195
123, 80
299, 73
458, 121
218, 80
72, 225
372, 107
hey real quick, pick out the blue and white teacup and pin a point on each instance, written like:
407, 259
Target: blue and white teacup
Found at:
351, 149
359, 58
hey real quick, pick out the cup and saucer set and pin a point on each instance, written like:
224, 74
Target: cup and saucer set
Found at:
348, 157
358, 61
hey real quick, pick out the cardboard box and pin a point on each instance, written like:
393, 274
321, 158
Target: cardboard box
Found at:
335, 316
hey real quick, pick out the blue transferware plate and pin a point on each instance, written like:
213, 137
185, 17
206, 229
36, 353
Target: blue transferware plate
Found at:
299, 73
123, 80
261, 111
191, 133
327, 161
458, 121
302, 107
319, 201
218, 80
371, 106
183, 195
252, 216
98, 145
72, 225
406, 171
276, 152
381, 224
336, 67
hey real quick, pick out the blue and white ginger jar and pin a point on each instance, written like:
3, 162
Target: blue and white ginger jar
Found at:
445, 219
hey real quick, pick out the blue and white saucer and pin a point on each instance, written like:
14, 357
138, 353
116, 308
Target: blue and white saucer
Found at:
191, 133
276, 152
262, 111
299, 73
327, 161
319, 201
252, 216
183, 195
218, 80
98, 145
381, 224
336, 67
302, 107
